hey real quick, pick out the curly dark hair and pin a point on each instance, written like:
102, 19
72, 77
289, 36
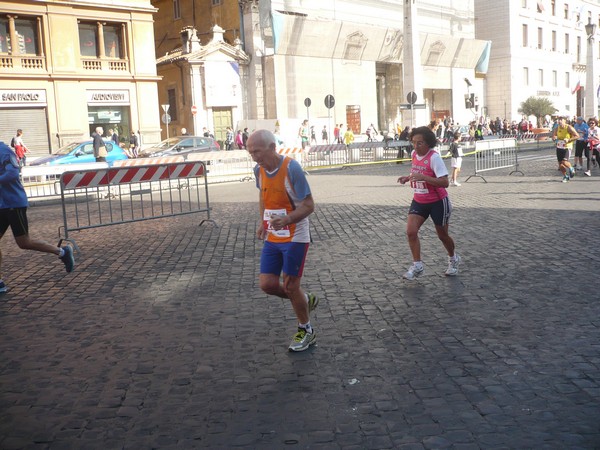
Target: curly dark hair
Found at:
428, 135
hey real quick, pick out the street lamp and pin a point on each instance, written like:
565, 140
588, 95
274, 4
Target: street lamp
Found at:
591, 98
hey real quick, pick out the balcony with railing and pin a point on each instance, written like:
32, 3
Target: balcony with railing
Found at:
23, 63
105, 65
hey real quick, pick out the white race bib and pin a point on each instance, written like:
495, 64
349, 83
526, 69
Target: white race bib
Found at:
419, 187
561, 143
271, 214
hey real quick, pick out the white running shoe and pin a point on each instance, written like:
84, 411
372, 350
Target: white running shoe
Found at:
588, 173
453, 264
414, 271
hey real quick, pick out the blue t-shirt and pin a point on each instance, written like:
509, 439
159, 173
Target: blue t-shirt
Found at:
582, 129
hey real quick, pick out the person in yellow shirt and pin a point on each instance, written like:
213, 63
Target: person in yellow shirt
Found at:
564, 135
348, 136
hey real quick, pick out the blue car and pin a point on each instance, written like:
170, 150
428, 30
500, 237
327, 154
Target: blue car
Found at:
80, 152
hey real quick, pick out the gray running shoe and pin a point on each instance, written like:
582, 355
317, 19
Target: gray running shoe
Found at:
68, 259
414, 271
452, 269
313, 301
302, 340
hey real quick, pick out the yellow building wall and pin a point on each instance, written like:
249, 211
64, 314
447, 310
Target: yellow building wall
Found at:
67, 82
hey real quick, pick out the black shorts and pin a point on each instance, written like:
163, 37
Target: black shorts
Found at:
16, 219
562, 154
580, 145
439, 211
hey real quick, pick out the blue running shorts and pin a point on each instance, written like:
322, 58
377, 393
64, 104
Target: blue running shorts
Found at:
288, 257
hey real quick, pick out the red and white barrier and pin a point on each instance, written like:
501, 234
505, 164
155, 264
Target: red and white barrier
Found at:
114, 176
289, 151
148, 161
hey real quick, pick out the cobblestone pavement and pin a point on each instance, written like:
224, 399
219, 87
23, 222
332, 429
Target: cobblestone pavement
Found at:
162, 339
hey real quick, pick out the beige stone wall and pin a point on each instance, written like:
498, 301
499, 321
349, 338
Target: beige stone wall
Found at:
67, 77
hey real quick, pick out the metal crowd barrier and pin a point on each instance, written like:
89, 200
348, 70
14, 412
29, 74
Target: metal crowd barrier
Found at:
109, 196
495, 154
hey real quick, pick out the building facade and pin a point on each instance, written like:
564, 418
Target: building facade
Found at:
539, 49
352, 51
367, 55
201, 64
67, 67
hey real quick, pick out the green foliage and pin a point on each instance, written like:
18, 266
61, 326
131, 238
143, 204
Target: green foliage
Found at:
538, 107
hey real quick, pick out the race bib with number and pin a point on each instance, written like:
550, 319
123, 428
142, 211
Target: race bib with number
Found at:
419, 187
270, 214
561, 143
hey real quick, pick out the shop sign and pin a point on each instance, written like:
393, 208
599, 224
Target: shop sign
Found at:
108, 97
22, 97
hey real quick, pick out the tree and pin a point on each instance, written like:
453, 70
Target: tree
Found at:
538, 107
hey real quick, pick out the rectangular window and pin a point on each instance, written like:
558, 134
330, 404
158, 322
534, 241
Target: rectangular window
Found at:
110, 46
578, 48
525, 36
172, 104
4, 35
112, 41
567, 80
526, 76
540, 43
566, 42
524, 3
566, 10
176, 10
216, 2
25, 35
553, 7
541, 77
553, 40
88, 40
554, 78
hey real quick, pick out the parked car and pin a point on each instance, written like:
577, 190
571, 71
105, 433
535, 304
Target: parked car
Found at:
80, 152
181, 145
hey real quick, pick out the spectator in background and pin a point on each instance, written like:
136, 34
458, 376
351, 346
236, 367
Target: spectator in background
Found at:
336, 134
98, 145
348, 136
184, 132
134, 145
304, 134
228, 139
582, 129
245, 136
324, 137
20, 148
239, 140
114, 136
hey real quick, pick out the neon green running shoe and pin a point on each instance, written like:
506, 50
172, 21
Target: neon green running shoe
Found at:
313, 301
302, 340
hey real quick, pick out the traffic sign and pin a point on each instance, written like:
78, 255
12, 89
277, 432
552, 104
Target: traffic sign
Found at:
411, 97
166, 118
329, 101
307, 102
165, 107
412, 106
194, 109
